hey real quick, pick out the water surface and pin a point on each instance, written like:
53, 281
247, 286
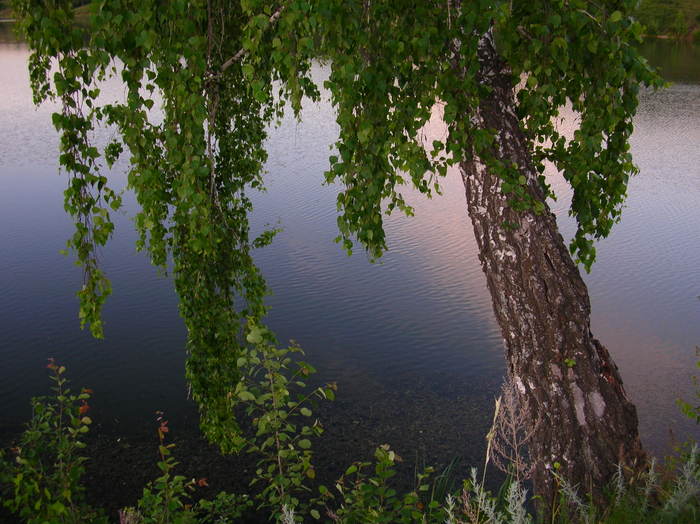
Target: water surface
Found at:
412, 340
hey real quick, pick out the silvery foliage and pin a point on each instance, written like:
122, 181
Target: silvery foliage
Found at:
687, 485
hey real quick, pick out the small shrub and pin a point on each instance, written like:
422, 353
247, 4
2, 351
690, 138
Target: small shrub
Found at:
224, 508
166, 499
652, 28
42, 481
276, 399
370, 498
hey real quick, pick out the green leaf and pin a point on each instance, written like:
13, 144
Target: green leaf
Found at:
255, 336
364, 133
246, 396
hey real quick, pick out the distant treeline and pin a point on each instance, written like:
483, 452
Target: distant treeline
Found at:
674, 18
6, 9
677, 18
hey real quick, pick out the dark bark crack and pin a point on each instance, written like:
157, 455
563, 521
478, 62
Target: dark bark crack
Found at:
542, 306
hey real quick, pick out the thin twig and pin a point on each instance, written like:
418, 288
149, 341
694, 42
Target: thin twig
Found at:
243, 51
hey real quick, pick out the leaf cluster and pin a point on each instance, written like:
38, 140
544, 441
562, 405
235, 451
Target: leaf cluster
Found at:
391, 62
580, 54
203, 80
277, 400
41, 480
366, 494
193, 136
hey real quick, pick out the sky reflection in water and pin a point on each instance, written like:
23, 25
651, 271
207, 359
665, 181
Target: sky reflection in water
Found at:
411, 340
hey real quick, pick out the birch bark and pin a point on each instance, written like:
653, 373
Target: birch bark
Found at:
585, 422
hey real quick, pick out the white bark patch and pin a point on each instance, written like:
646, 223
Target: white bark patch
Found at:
579, 405
555, 388
554, 369
481, 170
504, 253
596, 400
519, 384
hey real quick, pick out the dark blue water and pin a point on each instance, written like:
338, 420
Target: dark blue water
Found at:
411, 340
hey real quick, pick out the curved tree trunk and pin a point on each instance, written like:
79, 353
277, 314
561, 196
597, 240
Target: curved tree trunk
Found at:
585, 422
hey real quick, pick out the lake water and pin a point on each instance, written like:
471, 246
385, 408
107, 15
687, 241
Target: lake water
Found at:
411, 341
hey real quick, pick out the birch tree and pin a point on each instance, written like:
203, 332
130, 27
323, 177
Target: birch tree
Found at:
222, 72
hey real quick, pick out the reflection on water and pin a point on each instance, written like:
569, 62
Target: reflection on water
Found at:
7, 33
411, 340
676, 60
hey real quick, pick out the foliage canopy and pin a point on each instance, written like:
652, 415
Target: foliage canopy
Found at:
221, 72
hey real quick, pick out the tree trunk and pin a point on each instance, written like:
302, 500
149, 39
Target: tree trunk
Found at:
585, 424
